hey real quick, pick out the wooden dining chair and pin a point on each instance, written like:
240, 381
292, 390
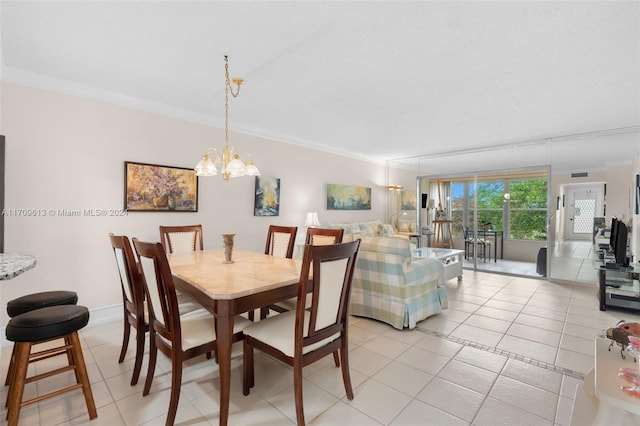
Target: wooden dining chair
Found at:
179, 337
133, 300
179, 239
281, 241
316, 237
182, 239
308, 334
324, 236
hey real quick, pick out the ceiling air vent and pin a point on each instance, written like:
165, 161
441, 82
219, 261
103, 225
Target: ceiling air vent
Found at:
581, 174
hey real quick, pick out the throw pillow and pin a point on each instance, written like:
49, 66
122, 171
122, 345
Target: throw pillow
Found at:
369, 229
386, 230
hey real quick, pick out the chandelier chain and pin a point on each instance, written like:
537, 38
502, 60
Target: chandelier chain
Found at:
227, 88
226, 105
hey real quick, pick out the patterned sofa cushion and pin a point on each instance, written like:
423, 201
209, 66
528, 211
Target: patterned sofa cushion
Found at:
386, 230
369, 229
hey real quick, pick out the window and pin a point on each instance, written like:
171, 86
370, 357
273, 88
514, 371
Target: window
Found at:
515, 204
528, 209
490, 204
457, 206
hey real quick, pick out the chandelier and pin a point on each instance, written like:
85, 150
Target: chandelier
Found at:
230, 163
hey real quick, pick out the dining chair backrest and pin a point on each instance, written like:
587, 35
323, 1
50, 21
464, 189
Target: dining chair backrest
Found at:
133, 300
164, 315
323, 236
180, 239
130, 277
281, 241
325, 317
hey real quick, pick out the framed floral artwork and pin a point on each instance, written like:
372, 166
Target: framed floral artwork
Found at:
156, 188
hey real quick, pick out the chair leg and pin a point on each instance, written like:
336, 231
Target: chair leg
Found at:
346, 375
264, 312
247, 368
297, 387
176, 383
251, 315
153, 355
16, 387
336, 359
125, 339
81, 374
137, 365
11, 366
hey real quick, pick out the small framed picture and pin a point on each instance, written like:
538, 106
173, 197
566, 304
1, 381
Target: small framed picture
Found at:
267, 196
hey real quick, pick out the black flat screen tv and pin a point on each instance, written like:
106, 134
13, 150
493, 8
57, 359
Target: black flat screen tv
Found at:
614, 234
620, 249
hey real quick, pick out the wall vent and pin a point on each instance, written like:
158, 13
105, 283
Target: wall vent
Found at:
580, 174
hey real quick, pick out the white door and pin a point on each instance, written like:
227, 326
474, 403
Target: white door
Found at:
584, 203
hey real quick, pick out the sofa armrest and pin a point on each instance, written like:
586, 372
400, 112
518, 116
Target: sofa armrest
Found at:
420, 271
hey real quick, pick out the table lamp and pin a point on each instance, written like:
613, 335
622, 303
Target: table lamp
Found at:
312, 220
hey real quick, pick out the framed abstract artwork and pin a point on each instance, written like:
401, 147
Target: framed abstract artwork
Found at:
267, 196
347, 197
156, 188
407, 200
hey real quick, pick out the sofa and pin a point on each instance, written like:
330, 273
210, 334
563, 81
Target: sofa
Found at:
390, 286
355, 230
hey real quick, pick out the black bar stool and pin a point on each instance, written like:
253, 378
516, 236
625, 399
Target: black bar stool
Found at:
34, 301
39, 326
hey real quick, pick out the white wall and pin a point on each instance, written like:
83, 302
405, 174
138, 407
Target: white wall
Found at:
66, 152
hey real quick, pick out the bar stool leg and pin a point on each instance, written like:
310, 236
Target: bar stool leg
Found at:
16, 387
81, 374
11, 366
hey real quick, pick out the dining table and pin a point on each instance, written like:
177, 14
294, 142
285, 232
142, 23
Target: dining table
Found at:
253, 280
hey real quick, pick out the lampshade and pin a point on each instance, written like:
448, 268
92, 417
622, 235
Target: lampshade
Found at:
252, 170
205, 166
311, 220
236, 167
431, 203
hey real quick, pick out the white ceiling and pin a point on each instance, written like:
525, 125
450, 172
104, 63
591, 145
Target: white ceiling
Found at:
378, 80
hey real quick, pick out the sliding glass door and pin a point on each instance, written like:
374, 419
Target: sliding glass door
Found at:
506, 211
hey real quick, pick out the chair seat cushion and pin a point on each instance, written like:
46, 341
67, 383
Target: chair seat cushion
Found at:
47, 323
40, 300
279, 331
198, 328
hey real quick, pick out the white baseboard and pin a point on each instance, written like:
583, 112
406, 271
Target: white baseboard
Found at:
97, 316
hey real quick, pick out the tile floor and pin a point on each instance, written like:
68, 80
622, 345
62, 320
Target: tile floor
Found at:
570, 261
509, 350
